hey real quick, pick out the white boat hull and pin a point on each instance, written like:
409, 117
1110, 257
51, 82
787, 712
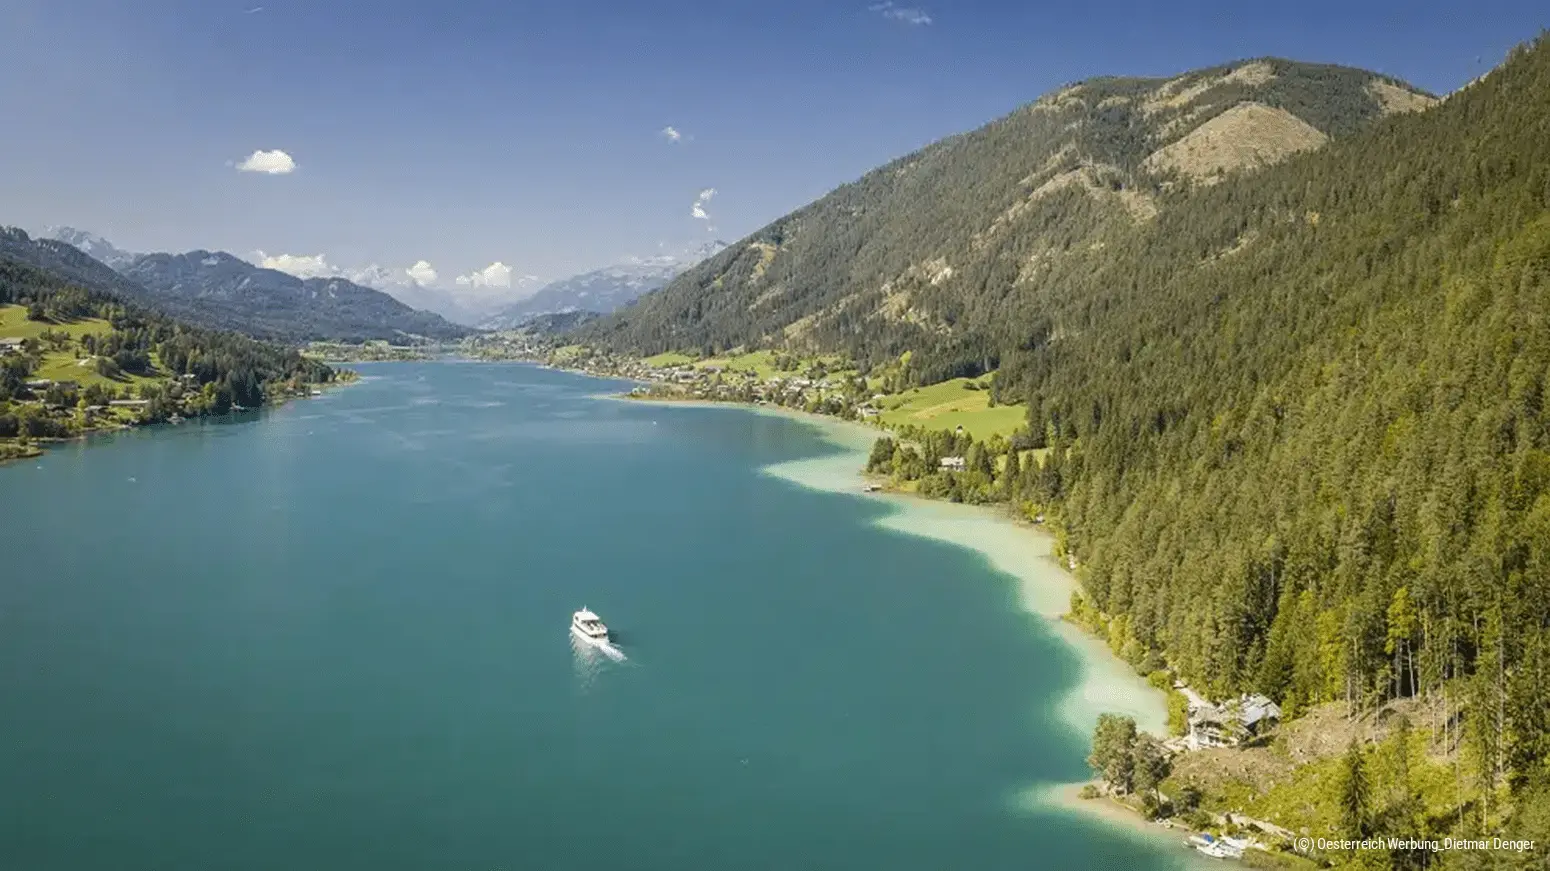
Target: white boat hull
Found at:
590, 639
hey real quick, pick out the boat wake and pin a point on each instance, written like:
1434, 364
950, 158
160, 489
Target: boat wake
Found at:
591, 658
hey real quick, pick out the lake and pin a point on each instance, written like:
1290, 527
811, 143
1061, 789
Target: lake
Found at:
333, 635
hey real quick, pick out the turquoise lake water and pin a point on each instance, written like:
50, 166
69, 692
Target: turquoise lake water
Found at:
334, 636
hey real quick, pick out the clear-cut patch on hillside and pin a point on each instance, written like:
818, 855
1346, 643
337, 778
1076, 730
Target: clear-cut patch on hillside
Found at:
766, 256
896, 305
1174, 94
1092, 179
1053, 162
767, 297
1247, 135
1071, 95
1035, 262
797, 331
1395, 99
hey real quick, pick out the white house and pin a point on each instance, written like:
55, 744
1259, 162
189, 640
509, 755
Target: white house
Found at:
953, 464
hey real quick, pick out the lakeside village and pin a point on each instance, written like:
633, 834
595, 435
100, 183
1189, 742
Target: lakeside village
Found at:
761, 378
812, 390
105, 396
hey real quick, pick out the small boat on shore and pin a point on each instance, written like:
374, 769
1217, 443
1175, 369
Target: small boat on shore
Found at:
589, 627
1216, 848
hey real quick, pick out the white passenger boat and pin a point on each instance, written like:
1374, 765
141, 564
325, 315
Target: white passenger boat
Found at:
589, 626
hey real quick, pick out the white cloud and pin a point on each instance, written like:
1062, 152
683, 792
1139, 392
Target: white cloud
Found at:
698, 210
317, 266
299, 265
497, 274
671, 134
376, 276
274, 162
906, 14
421, 273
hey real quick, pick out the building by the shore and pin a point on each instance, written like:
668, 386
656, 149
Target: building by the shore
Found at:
1229, 723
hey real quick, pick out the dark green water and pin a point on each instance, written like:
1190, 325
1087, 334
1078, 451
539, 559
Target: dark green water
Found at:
334, 636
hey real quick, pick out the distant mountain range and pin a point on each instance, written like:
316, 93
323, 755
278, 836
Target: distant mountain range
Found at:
558, 322
602, 290
468, 306
73, 264
216, 289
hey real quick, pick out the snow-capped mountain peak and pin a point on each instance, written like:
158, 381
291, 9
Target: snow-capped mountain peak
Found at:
95, 246
604, 290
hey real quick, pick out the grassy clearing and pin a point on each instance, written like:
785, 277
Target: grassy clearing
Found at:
761, 363
837, 367
14, 325
949, 405
670, 358
568, 353
64, 366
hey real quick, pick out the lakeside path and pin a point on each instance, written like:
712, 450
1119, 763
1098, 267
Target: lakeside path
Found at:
1023, 553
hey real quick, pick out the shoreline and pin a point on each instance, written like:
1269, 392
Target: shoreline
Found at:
37, 448
1044, 586
1017, 550
1066, 798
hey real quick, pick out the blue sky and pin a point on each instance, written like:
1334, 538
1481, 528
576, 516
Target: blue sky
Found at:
465, 133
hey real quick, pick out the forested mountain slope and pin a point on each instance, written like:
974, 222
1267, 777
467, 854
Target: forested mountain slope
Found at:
71, 264
1300, 426
1297, 418
925, 253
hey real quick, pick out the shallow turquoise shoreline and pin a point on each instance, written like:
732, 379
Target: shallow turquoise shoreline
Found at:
1023, 553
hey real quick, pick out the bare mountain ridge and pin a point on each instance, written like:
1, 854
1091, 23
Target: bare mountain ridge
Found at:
919, 251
